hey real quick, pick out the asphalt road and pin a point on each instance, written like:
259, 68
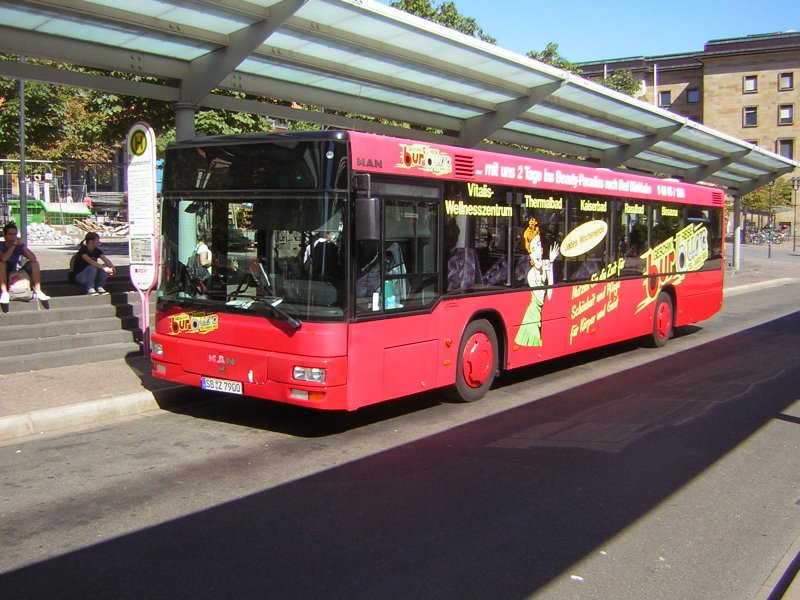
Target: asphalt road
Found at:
622, 473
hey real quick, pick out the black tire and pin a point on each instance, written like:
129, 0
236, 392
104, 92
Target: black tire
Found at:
477, 362
663, 319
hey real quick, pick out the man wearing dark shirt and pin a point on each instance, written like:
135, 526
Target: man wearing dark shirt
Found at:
11, 250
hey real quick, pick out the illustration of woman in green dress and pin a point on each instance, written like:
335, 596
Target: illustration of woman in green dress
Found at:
540, 274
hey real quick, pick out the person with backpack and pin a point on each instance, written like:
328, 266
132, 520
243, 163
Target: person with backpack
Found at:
91, 266
200, 263
11, 251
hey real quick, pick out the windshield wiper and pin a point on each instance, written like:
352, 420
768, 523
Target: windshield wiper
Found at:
270, 305
279, 312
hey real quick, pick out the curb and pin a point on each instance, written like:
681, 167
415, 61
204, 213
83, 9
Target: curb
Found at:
48, 420
784, 581
749, 287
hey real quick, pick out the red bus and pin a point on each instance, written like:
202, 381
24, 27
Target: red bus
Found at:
350, 268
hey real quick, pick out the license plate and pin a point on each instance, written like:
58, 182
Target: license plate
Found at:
221, 385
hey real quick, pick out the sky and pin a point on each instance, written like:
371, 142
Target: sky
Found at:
589, 30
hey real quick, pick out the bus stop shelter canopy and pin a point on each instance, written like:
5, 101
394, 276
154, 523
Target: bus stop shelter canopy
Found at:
361, 57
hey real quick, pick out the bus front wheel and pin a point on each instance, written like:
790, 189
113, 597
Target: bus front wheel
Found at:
477, 362
662, 321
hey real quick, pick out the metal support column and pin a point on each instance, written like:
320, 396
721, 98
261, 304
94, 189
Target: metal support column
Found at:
22, 226
737, 231
769, 221
184, 120
187, 222
795, 181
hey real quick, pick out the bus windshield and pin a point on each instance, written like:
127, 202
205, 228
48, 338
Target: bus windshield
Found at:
260, 253
272, 243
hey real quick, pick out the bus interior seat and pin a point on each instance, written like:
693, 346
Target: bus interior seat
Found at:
463, 271
522, 267
368, 280
395, 265
497, 273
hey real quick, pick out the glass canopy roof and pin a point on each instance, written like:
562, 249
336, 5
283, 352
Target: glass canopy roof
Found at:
362, 57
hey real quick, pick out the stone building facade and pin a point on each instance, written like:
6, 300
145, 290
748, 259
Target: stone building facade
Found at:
746, 87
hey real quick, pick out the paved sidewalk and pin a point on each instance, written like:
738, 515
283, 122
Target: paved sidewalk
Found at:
43, 401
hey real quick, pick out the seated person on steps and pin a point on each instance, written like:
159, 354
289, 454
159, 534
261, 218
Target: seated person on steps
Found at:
88, 270
11, 250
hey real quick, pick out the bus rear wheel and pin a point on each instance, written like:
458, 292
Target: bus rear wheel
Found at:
662, 321
477, 362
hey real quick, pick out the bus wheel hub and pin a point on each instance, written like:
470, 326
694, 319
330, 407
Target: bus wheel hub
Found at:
476, 361
663, 320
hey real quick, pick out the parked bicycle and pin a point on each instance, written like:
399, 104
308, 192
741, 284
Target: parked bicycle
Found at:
764, 236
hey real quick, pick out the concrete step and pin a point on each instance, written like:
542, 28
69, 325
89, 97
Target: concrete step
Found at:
42, 331
68, 357
81, 307
75, 329
44, 347
62, 288
62, 275
56, 282
91, 309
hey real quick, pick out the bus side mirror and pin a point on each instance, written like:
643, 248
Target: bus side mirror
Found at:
368, 219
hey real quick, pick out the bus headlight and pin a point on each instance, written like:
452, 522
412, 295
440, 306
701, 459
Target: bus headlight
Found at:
314, 374
156, 349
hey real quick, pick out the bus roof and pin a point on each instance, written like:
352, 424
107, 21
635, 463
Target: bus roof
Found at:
371, 153
397, 156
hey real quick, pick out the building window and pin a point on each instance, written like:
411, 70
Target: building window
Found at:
693, 96
750, 116
785, 148
786, 81
750, 84
665, 98
785, 114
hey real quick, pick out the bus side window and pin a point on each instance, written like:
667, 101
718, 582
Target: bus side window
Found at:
401, 270
410, 247
463, 268
368, 274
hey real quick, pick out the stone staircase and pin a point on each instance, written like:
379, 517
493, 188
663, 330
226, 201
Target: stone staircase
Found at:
76, 329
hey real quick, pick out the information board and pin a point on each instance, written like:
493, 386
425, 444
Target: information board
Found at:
142, 206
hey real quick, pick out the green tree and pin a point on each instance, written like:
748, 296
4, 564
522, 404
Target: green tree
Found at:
88, 126
622, 81
550, 56
116, 113
759, 199
444, 14
46, 109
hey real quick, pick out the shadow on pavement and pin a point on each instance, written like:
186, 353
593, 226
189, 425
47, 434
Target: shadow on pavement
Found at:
496, 508
291, 420
310, 423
